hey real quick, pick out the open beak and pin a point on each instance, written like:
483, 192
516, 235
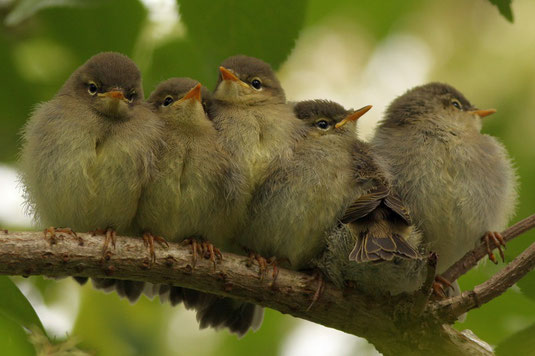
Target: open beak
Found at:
115, 94
483, 113
354, 116
193, 94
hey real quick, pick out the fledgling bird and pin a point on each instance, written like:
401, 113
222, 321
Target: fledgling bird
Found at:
330, 176
88, 152
458, 183
381, 277
256, 125
199, 192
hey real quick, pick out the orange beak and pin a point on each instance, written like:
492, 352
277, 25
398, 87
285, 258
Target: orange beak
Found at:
228, 75
354, 116
115, 94
194, 93
483, 113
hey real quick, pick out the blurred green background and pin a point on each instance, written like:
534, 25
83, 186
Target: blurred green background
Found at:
354, 52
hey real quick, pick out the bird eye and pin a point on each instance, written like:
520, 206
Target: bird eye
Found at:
168, 100
456, 103
256, 83
131, 97
322, 124
92, 88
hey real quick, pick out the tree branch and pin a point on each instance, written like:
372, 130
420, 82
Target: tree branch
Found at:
471, 258
421, 296
450, 309
387, 322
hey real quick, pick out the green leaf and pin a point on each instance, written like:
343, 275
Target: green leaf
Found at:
15, 306
521, 343
36, 64
169, 60
258, 28
380, 18
504, 6
13, 339
111, 326
103, 26
17, 97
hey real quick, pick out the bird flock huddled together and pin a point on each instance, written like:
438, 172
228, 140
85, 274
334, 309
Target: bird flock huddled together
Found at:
242, 169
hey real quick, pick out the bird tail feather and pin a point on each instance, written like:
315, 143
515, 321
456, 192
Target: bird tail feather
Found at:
374, 245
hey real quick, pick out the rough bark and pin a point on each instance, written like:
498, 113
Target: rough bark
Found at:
395, 325
451, 308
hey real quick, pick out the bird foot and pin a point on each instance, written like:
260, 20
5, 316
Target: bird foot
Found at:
148, 241
275, 262
263, 264
440, 285
317, 276
211, 252
110, 237
50, 233
205, 249
498, 241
